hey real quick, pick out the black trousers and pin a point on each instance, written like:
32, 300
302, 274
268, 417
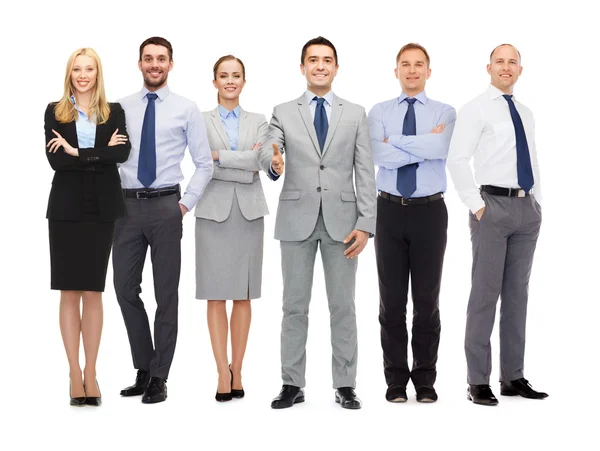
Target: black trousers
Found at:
410, 240
154, 223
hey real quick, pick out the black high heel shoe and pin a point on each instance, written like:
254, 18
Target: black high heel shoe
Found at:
77, 402
235, 393
222, 397
95, 401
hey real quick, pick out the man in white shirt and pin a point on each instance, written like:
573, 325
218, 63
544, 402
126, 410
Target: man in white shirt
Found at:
497, 131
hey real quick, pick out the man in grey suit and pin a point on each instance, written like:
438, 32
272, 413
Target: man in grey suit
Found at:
326, 142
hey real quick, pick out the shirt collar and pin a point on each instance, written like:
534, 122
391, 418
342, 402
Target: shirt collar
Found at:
328, 97
224, 112
72, 98
495, 93
421, 97
161, 93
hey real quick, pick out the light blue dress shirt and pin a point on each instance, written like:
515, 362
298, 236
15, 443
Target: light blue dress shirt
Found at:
179, 124
231, 122
86, 129
429, 150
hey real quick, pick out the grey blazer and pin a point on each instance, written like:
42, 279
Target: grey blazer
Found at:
236, 170
313, 180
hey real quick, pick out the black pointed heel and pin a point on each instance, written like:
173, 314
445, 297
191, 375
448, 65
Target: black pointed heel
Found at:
234, 392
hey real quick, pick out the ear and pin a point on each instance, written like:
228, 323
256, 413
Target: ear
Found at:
489, 69
520, 70
140, 65
396, 73
215, 84
302, 69
428, 73
170, 65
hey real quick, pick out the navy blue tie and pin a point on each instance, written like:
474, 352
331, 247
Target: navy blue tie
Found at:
321, 124
406, 177
524, 171
147, 159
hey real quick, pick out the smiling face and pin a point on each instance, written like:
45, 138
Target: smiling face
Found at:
505, 68
229, 80
155, 66
319, 68
84, 74
413, 71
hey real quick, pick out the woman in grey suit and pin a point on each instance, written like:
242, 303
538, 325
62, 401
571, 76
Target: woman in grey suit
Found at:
229, 224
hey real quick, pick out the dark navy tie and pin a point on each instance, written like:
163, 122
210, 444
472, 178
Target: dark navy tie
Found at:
406, 177
524, 171
321, 124
147, 159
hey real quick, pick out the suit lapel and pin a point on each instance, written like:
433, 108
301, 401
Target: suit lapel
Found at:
308, 122
70, 134
243, 132
218, 125
336, 113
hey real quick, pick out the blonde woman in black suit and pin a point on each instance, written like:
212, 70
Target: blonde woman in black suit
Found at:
229, 224
85, 139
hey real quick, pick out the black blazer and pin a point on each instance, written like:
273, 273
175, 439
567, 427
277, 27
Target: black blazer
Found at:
100, 162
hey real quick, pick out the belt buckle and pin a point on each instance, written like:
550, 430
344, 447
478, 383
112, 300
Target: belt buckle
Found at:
404, 201
141, 195
521, 193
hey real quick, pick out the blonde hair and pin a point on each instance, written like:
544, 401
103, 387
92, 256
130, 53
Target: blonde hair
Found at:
98, 108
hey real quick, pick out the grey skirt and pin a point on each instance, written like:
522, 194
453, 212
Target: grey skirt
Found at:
229, 257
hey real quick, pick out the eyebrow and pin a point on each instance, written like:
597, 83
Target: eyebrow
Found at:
406, 61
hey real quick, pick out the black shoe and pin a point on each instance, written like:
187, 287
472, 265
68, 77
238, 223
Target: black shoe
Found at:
396, 394
481, 394
77, 402
426, 394
140, 384
156, 391
520, 387
234, 392
288, 396
346, 397
95, 401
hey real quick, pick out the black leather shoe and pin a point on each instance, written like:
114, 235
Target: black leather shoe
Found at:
288, 396
520, 387
234, 392
396, 394
346, 397
156, 391
76, 402
140, 384
481, 394
95, 401
426, 394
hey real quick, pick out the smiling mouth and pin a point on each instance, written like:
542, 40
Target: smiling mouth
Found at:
155, 73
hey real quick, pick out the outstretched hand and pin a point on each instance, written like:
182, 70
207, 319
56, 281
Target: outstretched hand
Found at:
277, 160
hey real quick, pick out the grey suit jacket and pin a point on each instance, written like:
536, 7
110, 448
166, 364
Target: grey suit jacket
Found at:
313, 180
236, 170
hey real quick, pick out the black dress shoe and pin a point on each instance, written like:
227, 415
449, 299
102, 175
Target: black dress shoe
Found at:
481, 394
76, 402
156, 391
426, 394
520, 387
95, 401
234, 392
346, 397
396, 394
288, 396
141, 382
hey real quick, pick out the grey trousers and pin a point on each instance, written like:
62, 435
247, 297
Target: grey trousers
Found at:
156, 223
297, 262
503, 246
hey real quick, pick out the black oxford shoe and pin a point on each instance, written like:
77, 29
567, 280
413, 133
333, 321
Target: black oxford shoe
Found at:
156, 391
288, 396
481, 394
426, 394
346, 397
520, 387
396, 394
140, 384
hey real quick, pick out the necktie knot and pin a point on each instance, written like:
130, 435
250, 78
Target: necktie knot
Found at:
152, 96
320, 100
410, 101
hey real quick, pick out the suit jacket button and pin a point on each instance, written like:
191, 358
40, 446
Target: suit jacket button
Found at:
322, 167
319, 189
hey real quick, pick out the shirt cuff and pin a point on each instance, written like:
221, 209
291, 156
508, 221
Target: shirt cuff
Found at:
274, 176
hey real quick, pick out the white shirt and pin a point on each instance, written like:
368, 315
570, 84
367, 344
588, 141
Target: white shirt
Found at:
484, 131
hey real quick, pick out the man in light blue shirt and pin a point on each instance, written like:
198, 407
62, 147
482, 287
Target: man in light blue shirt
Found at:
410, 135
161, 125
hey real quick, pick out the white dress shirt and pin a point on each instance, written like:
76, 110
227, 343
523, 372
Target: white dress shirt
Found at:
485, 132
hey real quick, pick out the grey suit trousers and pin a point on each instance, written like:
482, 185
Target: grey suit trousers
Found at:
503, 246
297, 262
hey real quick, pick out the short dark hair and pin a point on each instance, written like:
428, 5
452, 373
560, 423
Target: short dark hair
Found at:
413, 46
498, 46
156, 40
318, 41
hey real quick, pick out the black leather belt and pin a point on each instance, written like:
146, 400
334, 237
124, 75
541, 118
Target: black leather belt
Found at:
411, 200
149, 193
499, 191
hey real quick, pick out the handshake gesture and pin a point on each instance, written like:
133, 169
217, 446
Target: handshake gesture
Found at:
277, 160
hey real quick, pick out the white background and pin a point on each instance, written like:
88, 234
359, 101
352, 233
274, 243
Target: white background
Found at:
559, 83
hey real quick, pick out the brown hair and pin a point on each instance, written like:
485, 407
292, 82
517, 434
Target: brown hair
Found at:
413, 46
318, 41
156, 40
228, 58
